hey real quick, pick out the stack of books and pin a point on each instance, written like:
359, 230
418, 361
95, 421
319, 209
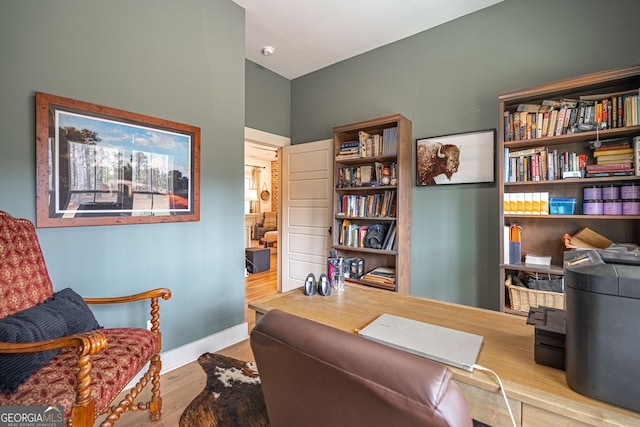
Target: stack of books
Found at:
612, 159
349, 150
385, 276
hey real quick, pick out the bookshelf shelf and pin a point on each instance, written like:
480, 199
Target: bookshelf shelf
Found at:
520, 136
582, 181
552, 269
575, 137
358, 160
364, 250
579, 217
362, 198
372, 284
368, 188
373, 218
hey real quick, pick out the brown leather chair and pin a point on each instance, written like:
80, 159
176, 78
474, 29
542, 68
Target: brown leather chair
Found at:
316, 375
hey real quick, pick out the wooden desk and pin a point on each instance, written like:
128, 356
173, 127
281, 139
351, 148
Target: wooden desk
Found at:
539, 395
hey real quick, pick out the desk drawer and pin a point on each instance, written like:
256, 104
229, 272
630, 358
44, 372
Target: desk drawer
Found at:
537, 417
489, 407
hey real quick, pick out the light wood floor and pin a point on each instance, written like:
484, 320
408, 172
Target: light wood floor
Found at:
180, 386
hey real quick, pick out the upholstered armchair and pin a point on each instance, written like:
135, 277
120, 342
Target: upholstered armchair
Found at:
269, 222
54, 353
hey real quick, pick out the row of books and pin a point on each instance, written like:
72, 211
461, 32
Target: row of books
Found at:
615, 158
364, 175
370, 145
368, 205
542, 164
353, 235
554, 118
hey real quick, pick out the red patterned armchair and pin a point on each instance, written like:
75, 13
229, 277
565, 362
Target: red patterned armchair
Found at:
52, 350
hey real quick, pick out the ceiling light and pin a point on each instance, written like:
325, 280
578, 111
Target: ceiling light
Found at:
268, 50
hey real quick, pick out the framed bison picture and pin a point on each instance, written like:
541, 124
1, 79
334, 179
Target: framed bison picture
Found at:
460, 158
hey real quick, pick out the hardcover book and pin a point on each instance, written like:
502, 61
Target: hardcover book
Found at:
636, 154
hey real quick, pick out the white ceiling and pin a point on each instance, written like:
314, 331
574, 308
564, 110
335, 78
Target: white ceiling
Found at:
312, 34
308, 35
254, 150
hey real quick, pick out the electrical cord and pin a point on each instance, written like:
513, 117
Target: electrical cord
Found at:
504, 394
253, 265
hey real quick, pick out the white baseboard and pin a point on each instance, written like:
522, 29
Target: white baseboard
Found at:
180, 356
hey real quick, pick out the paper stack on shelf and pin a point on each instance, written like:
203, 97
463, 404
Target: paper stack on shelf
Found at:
537, 259
383, 275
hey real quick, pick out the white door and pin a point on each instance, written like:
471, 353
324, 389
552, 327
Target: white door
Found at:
306, 205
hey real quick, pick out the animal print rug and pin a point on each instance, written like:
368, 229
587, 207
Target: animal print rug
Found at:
232, 397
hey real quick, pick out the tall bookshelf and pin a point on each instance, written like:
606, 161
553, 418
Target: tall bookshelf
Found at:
372, 176
543, 234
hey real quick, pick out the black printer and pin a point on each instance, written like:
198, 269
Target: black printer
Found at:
549, 337
602, 311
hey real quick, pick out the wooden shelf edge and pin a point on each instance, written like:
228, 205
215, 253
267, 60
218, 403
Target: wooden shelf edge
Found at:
512, 311
364, 188
596, 217
573, 137
553, 269
368, 250
374, 218
373, 284
358, 160
583, 181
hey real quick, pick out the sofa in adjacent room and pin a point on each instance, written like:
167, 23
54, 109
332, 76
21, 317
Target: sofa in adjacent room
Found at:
268, 222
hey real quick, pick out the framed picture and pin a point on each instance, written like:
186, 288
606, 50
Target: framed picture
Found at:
97, 165
456, 159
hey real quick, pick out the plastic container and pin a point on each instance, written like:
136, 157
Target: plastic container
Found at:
610, 192
337, 279
631, 207
630, 191
562, 206
593, 207
592, 192
612, 207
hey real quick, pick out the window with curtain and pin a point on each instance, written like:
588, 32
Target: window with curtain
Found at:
251, 186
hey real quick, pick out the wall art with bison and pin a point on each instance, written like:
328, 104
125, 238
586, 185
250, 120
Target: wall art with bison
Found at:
456, 159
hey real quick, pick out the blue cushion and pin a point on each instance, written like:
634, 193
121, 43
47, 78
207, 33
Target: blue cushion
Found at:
63, 314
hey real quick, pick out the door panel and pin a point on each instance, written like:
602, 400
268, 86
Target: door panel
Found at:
306, 212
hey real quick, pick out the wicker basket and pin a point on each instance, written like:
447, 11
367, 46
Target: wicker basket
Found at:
522, 299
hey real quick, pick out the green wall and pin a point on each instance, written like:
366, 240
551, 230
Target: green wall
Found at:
181, 61
267, 100
447, 80
184, 61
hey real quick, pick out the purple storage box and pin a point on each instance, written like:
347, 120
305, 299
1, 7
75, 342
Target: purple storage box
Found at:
592, 207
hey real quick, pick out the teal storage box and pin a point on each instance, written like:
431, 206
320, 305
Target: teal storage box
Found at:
562, 206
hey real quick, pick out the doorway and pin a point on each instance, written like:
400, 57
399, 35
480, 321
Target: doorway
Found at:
261, 185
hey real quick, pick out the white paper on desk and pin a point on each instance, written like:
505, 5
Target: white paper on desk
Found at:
444, 345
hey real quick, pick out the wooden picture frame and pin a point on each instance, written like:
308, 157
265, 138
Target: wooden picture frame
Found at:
97, 165
456, 159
